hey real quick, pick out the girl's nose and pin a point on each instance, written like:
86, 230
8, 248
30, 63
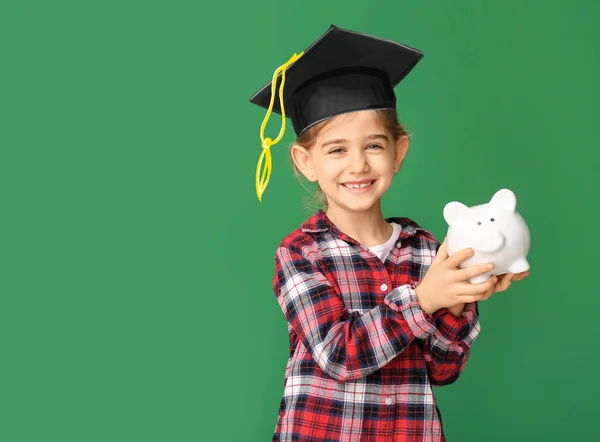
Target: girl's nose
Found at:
358, 162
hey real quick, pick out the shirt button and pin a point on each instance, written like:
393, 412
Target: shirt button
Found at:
389, 400
383, 287
399, 244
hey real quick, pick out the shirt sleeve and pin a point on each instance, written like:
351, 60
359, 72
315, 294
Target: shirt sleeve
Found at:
447, 350
346, 345
463, 329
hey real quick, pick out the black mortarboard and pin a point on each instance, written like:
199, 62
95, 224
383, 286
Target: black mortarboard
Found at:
343, 71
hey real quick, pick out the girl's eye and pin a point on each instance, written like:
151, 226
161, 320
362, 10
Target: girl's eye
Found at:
336, 150
375, 146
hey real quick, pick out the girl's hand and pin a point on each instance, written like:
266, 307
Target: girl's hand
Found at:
504, 282
445, 284
506, 279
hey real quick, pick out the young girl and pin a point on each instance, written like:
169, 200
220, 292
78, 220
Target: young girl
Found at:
377, 311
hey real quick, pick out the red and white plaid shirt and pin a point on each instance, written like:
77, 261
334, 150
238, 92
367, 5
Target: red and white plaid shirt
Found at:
363, 354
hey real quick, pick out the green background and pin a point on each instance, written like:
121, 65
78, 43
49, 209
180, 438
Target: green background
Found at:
136, 300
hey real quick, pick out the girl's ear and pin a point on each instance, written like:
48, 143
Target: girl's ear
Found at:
302, 160
401, 148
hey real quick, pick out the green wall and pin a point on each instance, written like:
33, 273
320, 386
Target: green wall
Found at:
136, 300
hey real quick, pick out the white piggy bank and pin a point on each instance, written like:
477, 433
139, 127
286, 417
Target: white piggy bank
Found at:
495, 231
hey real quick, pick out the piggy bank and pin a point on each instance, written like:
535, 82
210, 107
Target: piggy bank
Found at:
495, 231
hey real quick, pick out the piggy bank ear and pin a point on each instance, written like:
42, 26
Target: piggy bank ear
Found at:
504, 199
453, 210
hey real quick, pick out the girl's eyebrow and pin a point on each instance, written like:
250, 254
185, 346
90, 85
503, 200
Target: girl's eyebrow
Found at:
376, 136
342, 140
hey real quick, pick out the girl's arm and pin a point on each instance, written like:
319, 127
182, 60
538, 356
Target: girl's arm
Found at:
346, 345
447, 349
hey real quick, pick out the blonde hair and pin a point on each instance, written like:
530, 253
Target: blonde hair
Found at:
387, 117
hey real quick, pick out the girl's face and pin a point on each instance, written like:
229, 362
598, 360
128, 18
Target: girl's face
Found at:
354, 160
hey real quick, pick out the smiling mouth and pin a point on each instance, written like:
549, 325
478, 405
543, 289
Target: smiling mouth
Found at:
358, 185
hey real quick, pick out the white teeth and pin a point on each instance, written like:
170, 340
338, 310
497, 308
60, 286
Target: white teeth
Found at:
358, 186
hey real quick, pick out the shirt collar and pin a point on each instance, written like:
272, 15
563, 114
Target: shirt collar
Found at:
319, 222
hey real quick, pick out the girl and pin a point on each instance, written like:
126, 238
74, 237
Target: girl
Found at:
377, 311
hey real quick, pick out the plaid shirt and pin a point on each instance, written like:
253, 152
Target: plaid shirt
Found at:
363, 355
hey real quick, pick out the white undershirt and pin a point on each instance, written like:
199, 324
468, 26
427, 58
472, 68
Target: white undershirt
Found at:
382, 250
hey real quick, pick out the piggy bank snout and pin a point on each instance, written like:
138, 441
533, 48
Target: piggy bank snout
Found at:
491, 242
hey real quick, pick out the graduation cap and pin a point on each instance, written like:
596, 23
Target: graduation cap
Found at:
342, 71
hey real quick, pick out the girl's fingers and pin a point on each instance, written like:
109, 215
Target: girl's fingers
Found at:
485, 290
457, 258
470, 289
487, 295
521, 276
471, 272
505, 282
471, 298
442, 253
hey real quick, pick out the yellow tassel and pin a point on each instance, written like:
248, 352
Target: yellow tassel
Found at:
263, 179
